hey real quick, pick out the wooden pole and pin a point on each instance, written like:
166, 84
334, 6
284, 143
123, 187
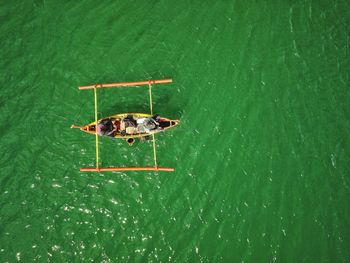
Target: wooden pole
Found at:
150, 98
153, 138
137, 168
154, 151
96, 134
125, 84
76, 127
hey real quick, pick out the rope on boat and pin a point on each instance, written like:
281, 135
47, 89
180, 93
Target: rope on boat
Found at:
95, 96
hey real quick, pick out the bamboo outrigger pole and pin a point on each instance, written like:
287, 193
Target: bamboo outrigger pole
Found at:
120, 169
125, 84
153, 138
96, 134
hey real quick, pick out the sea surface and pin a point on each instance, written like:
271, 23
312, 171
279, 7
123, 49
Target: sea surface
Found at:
262, 155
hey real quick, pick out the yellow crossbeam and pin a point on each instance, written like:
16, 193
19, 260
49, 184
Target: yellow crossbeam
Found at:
153, 138
97, 160
150, 98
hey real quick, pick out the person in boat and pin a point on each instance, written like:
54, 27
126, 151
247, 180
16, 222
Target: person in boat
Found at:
145, 125
115, 128
128, 126
104, 126
129, 121
107, 127
155, 119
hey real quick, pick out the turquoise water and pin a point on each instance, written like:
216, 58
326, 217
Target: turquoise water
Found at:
261, 156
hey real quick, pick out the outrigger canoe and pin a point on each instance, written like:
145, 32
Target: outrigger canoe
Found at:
128, 126
122, 131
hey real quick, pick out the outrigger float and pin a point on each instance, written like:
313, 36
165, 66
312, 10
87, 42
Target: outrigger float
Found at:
128, 126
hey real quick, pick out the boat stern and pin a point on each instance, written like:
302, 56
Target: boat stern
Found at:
174, 123
167, 123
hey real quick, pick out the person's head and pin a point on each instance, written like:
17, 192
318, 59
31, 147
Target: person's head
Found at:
156, 117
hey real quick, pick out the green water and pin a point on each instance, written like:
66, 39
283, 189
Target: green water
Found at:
261, 156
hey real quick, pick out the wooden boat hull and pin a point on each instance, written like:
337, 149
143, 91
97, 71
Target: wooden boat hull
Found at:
164, 122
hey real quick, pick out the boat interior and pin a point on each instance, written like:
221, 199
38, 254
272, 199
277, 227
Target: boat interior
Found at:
130, 125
